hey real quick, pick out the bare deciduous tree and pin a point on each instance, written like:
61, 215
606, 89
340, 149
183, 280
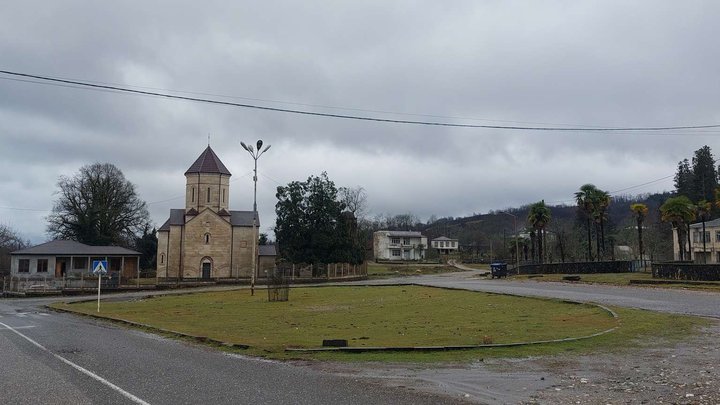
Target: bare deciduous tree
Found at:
98, 206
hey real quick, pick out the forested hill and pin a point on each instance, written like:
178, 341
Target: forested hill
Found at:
497, 227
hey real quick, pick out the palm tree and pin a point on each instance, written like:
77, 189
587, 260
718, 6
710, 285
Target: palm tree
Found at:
584, 200
703, 211
640, 211
679, 211
601, 201
539, 216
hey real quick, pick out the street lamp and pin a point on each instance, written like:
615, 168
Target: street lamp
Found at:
255, 153
517, 246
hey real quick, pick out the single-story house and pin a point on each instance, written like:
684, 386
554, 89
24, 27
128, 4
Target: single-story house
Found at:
58, 258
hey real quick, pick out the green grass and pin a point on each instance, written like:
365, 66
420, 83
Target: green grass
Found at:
600, 278
620, 279
391, 270
391, 316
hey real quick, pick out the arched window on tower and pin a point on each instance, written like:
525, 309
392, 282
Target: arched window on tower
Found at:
193, 195
208, 194
223, 195
162, 258
207, 238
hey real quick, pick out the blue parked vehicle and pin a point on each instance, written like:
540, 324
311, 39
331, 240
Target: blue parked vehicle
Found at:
498, 269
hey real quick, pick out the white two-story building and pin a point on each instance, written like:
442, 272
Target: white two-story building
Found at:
399, 245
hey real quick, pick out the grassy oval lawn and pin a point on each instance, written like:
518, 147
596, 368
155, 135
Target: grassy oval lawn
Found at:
375, 316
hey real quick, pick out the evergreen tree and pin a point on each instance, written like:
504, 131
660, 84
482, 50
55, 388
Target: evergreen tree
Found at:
705, 175
684, 179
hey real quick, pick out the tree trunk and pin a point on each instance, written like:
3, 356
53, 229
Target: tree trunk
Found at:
704, 243
597, 240
640, 241
602, 234
681, 241
689, 245
589, 245
540, 245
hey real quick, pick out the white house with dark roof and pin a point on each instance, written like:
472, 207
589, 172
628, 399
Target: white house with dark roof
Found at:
444, 245
206, 239
58, 258
399, 245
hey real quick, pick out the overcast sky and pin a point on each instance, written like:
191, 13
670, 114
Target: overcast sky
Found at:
563, 63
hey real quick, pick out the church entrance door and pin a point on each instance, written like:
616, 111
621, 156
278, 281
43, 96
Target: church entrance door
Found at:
206, 270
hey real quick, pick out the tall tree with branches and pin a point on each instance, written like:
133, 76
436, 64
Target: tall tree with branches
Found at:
98, 206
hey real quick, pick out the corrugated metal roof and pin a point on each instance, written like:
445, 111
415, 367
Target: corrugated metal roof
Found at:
237, 218
208, 162
72, 248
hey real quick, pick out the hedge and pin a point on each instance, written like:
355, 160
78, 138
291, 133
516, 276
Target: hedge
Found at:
686, 271
577, 268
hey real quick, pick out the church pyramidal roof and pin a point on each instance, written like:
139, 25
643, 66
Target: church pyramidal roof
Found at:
208, 162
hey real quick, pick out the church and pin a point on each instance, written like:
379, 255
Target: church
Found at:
206, 240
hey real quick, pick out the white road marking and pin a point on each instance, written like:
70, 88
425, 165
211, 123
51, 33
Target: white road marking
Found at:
20, 314
81, 369
20, 327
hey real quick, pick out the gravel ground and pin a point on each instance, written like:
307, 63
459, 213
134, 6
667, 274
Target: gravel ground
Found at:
684, 373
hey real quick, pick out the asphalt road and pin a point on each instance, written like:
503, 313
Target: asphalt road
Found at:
691, 302
49, 357
54, 358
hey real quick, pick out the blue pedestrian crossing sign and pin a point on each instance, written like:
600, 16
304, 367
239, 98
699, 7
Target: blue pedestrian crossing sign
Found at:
100, 267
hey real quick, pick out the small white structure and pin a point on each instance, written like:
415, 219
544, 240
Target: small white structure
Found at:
399, 245
444, 245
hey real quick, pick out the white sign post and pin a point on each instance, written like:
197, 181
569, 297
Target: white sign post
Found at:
99, 268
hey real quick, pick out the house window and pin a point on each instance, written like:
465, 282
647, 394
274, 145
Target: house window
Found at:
396, 252
24, 266
207, 238
208, 194
42, 265
707, 236
395, 241
79, 263
717, 236
696, 237
406, 242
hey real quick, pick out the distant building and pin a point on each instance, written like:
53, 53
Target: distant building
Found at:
711, 254
445, 245
206, 240
399, 245
59, 258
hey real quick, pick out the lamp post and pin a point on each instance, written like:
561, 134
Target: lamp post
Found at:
255, 153
517, 246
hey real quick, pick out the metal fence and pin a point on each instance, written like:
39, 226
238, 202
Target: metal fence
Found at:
322, 271
48, 285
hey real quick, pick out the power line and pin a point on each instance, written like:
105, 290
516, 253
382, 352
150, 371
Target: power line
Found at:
350, 117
